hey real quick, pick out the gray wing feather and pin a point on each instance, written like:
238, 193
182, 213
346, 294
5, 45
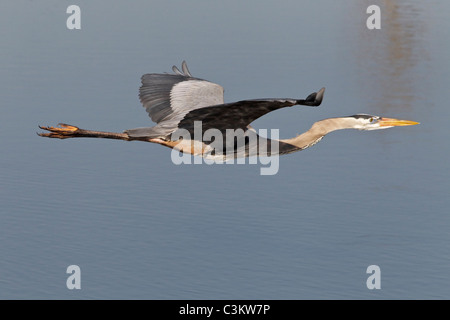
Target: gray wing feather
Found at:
168, 96
155, 94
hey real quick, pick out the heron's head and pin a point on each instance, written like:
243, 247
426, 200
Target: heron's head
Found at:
369, 122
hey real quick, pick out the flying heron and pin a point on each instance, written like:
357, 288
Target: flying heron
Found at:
179, 102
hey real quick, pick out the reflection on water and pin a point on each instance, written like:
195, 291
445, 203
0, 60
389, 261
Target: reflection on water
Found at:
389, 57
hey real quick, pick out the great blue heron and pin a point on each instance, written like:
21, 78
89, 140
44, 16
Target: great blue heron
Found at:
178, 102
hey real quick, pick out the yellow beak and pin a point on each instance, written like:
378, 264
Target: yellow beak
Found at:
389, 122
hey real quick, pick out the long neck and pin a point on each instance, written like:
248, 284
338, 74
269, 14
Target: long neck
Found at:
315, 134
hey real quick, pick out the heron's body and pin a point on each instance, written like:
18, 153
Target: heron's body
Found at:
192, 117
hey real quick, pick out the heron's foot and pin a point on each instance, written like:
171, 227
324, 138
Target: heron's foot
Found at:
64, 131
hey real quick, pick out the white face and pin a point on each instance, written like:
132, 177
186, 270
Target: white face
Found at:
368, 122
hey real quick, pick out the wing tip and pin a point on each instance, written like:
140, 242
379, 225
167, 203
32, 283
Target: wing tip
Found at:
319, 95
315, 98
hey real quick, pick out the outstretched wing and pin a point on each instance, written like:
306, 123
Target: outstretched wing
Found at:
176, 101
170, 96
238, 115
